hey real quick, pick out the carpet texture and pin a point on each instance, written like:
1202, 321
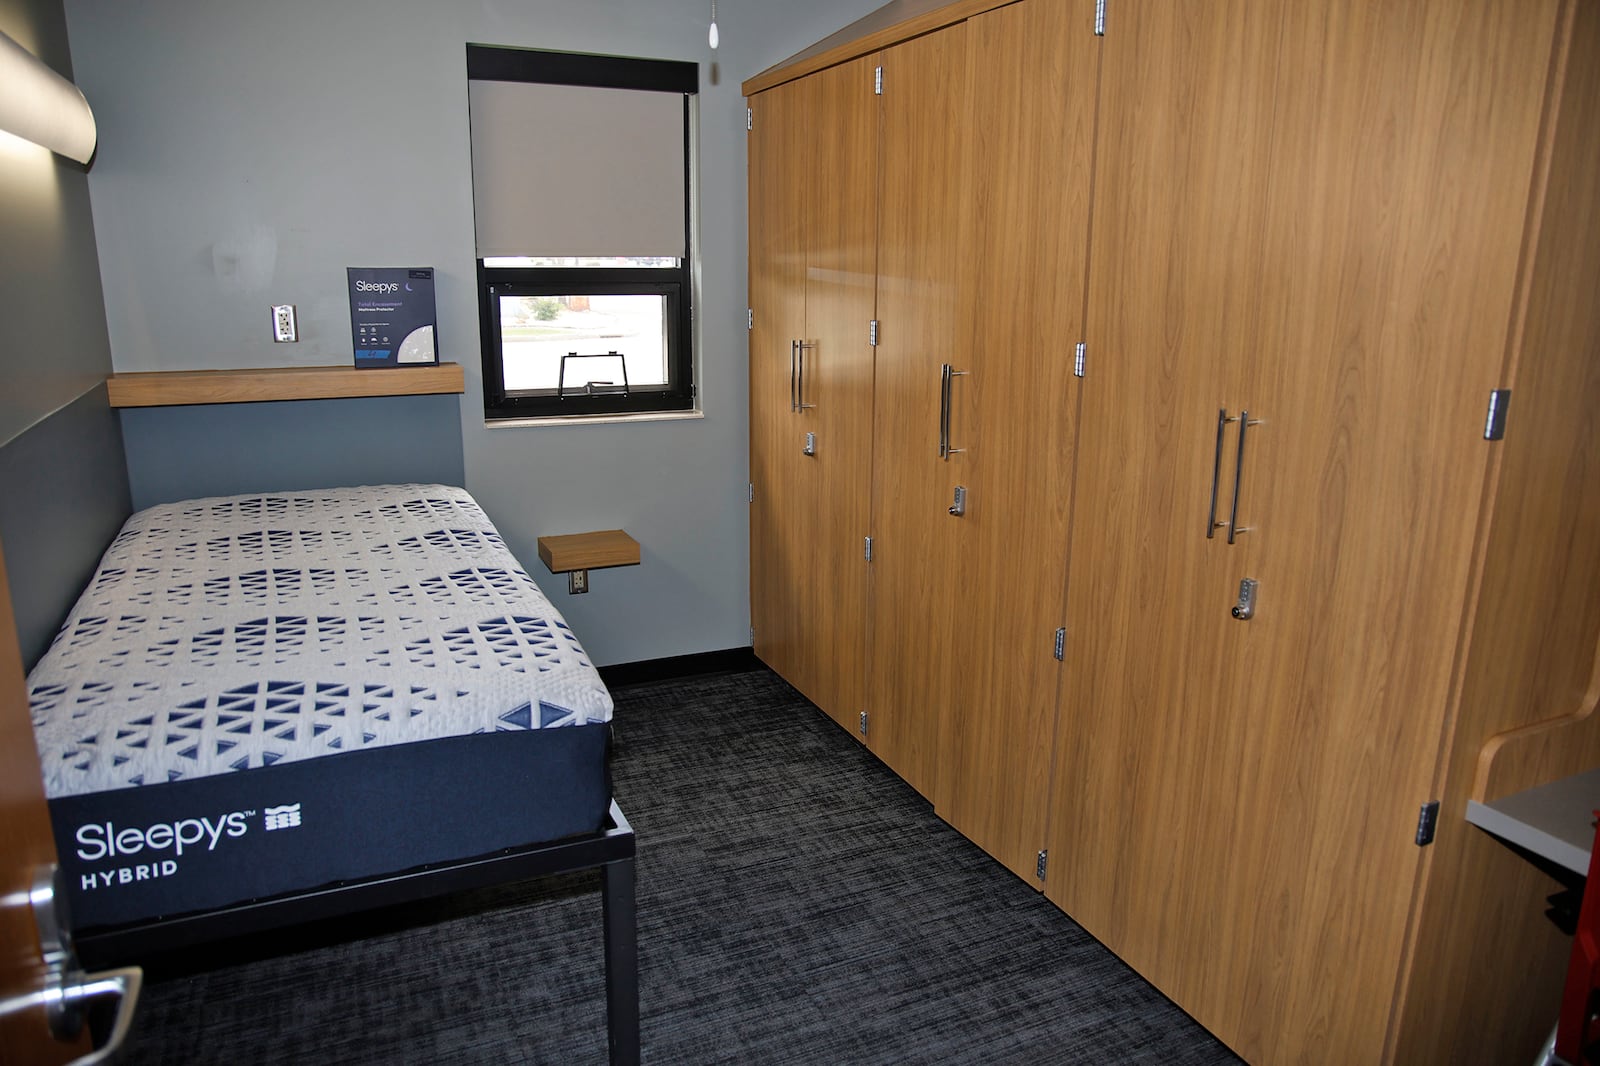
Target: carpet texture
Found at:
797, 903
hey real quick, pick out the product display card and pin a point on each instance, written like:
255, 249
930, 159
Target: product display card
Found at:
392, 316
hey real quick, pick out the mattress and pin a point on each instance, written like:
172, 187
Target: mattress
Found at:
260, 694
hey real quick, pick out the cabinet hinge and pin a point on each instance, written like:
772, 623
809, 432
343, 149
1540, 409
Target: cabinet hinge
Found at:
1494, 428
751, 498
1061, 644
749, 318
869, 548
749, 119
1099, 18
1427, 822
1043, 864
862, 728
752, 636
1080, 360
877, 81
872, 333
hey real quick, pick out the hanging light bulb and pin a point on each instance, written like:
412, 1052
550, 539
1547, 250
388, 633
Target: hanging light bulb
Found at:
713, 25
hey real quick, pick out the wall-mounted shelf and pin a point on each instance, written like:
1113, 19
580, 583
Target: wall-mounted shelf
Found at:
169, 388
575, 554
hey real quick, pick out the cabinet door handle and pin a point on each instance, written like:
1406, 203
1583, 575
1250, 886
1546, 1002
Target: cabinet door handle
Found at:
947, 376
800, 387
794, 401
1216, 473
944, 411
1245, 422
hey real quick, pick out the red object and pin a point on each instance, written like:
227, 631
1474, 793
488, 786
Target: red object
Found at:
1576, 1032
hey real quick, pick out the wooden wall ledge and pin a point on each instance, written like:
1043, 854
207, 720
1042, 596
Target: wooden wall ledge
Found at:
588, 551
168, 388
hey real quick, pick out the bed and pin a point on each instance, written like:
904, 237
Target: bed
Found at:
267, 709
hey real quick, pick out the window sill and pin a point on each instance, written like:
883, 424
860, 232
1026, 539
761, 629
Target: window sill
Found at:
593, 420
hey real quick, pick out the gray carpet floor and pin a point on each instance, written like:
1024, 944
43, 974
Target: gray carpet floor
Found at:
798, 903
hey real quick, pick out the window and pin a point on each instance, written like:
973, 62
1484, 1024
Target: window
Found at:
581, 199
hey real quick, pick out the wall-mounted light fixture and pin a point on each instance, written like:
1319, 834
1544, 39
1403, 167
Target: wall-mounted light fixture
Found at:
41, 106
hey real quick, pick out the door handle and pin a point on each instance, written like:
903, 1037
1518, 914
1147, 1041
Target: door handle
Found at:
794, 402
83, 990
1245, 422
67, 993
800, 389
947, 376
1212, 525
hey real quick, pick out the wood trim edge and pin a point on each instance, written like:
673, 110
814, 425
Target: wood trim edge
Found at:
173, 388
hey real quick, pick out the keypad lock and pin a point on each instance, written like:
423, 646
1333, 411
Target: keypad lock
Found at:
1246, 607
810, 447
959, 507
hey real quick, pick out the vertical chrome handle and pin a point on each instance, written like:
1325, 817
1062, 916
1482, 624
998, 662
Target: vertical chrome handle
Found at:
800, 389
944, 411
794, 402
1216, 472
947, 376
1238, 471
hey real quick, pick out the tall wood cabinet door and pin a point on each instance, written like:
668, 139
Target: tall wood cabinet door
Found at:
1148, 751
779, 556
1034, 68
1404, 143
838, 119
918, 623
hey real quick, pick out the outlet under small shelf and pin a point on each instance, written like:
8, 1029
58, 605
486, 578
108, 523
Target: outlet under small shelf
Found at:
575, 554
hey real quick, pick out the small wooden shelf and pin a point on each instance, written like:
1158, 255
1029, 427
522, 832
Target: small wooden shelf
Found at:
588, 551
170, 388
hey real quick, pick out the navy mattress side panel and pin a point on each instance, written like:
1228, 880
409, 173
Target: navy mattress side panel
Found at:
161, 850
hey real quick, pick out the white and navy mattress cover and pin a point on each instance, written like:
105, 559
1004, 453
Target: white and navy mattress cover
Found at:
264, 693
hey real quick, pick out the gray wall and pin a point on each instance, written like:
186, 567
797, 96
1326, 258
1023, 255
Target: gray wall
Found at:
53, 333
63, 482
304, 444
250, 152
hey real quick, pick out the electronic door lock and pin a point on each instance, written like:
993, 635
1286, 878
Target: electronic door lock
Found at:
959, 507
811, 444
1245, 609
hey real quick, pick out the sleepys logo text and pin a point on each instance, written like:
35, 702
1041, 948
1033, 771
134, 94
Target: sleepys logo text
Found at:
162, 843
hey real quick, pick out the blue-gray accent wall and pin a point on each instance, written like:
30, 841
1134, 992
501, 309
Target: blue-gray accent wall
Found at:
177, 453
63, 496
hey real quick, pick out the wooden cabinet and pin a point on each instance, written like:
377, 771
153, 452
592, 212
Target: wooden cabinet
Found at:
1327, 245
1301, 245
921, 418
814, 216
1033, 84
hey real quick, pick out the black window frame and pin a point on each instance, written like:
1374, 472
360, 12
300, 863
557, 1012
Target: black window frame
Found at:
497, 63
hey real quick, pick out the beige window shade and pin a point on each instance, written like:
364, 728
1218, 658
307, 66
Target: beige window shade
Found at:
566, 170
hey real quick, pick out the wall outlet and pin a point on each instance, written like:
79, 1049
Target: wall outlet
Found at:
577, 582
283, 328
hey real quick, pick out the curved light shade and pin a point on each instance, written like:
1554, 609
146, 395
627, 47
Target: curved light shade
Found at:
41, 106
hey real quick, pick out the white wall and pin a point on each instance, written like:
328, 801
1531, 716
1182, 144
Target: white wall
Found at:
249, 152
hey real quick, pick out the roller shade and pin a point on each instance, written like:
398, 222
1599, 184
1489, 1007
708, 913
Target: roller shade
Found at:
566, 170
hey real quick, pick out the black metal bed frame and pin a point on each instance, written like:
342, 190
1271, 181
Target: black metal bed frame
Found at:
611, 849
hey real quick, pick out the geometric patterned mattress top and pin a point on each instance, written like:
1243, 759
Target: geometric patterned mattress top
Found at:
234, 632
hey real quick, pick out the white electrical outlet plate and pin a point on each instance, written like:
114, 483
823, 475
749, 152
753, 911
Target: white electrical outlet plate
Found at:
283, 328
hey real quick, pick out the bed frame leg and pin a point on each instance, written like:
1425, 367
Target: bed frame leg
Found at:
622, 962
